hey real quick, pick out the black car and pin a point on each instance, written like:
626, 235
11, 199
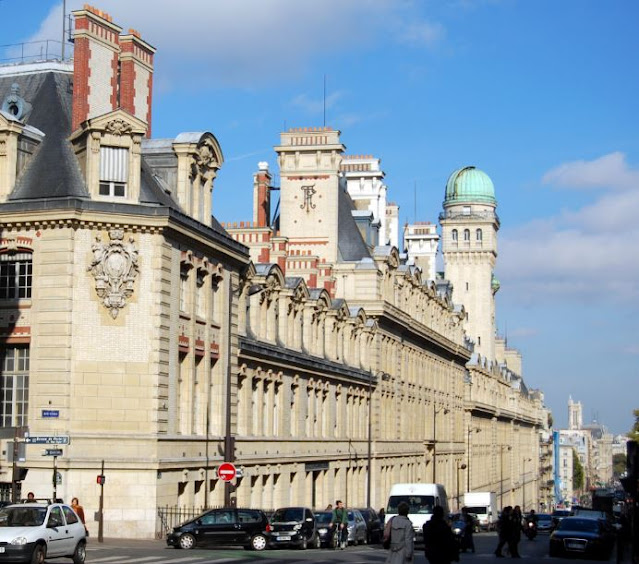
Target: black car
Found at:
293, 526
544, 523
582, 537
374, 527
226, 527
327, 534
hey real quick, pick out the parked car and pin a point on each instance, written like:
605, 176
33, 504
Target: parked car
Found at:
225, 527
34, 532
293, 526
327, 534
544, 523
582, 537
357, 530
374, 526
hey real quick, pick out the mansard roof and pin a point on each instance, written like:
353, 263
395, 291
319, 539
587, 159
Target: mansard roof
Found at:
351, 244
53, 171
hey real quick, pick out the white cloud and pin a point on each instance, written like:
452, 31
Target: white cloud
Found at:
584, 254
256, 42
609, 171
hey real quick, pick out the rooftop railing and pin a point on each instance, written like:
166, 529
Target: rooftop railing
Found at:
35, 51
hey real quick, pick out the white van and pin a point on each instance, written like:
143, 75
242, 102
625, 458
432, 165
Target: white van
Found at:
421, 499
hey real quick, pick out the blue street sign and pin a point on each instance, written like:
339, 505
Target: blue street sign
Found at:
50, 413
54, 440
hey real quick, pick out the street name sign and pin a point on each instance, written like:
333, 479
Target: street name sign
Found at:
53, 452
50, 440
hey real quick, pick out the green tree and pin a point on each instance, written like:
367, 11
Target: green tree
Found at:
618, 464
577, 472
634, 432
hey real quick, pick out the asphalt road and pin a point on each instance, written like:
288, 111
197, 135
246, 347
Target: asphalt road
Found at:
119, 551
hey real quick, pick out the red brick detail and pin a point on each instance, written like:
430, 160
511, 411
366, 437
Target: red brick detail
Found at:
265, 255
81, 73
263, 180
215, 350
281, 262
183, 343
312, 280
114, 81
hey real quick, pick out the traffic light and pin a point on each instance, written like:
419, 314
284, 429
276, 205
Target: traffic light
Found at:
101, 479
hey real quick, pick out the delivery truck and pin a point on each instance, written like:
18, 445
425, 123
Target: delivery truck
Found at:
484, 506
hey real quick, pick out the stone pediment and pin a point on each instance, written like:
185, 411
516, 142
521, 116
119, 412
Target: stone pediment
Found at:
118, 122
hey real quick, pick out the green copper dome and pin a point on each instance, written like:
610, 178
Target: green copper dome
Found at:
469, 184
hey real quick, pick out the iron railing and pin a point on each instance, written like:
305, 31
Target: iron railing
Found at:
35, 51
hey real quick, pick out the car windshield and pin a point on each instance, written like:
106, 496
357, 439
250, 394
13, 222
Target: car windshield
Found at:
22, 516
288, 514
417, 503
324, 517
572, 524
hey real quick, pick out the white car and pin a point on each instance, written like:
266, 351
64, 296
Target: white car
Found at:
33, 532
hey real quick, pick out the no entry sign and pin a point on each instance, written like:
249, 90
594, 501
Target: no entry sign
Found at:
226, 472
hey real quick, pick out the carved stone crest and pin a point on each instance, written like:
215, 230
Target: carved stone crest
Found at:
204, 162
114, 267
119, 127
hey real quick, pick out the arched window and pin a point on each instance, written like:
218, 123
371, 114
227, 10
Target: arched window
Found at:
455, 235
478, 235
466, 234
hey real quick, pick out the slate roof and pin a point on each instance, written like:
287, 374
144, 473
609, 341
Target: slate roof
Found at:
350, 243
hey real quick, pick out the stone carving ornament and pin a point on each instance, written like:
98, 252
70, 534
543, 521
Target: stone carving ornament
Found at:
114, 267
204, 163
119, 127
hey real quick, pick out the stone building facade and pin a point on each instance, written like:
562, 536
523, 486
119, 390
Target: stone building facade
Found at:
154, 341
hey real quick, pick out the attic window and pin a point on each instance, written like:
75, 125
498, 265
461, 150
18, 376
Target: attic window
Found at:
114, 171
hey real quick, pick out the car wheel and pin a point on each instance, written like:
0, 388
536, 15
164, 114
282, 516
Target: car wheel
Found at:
39, 554
365, 539
80, 554
304, 544
317, 542
187, 541
258, 542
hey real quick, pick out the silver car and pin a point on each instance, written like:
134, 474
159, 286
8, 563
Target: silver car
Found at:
33, 532
357, 530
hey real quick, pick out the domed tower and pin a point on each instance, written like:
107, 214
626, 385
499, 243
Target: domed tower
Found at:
469, 245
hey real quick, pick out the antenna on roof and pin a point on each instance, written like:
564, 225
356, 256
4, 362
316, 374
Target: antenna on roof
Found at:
415, 201
324, 99
64, 16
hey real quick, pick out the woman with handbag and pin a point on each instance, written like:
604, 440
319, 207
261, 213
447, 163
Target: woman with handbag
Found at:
398, 537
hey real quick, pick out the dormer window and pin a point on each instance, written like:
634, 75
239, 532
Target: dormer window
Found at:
114, 171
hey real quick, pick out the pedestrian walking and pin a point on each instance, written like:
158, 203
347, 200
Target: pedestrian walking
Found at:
440, 545
515, 532
75, 505
504, 526
468, 543
340, 521
398, 536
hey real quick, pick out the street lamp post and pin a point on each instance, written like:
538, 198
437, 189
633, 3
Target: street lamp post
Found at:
501, 473
523, 483
435, 412
459, 467
470, 432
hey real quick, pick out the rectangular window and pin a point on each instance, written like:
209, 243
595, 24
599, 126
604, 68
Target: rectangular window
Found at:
15, 276
14, 382
114, 171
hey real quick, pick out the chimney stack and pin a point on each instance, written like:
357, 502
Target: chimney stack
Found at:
262, 196
95, 69
110, 70
136, 77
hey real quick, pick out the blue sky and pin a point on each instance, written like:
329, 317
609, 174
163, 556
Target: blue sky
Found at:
541, 95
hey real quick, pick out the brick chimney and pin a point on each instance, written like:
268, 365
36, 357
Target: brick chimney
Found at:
262, 196
95, 70
136, 77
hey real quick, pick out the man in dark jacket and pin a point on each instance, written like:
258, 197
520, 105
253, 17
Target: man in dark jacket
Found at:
440, 545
